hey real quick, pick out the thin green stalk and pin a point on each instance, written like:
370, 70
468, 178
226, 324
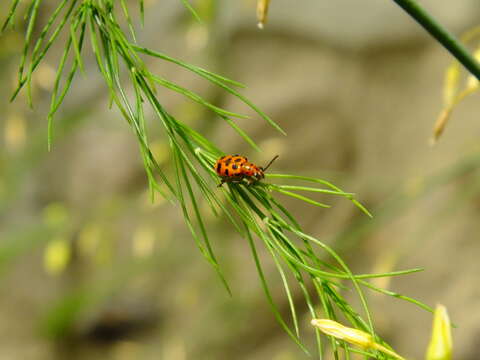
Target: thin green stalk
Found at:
449, 41
28, 39
11, 13
266, 289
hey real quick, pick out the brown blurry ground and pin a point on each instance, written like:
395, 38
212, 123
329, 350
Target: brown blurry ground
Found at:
357, 87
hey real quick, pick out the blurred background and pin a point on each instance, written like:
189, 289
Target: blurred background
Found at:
91, 269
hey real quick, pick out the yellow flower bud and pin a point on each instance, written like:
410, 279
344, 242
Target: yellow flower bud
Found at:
440, 347
351, 335
57, 256
262, 12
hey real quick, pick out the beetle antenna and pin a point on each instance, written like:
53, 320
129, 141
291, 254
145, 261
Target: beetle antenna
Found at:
270, 163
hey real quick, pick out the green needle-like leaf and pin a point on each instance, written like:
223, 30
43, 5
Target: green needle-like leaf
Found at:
300, 197
11, 13
192, 10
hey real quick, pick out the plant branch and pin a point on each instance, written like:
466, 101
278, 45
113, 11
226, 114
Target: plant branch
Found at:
449, 41
316, 268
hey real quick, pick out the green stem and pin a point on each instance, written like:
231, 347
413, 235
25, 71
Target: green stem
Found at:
449, 41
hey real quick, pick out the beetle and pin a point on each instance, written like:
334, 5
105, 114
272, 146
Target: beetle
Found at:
235, 168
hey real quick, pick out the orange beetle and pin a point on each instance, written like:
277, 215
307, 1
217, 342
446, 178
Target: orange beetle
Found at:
235, 168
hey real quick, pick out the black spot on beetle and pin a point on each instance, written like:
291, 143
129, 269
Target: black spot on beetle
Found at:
238, 160
219, 166
226, 172
234, 167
